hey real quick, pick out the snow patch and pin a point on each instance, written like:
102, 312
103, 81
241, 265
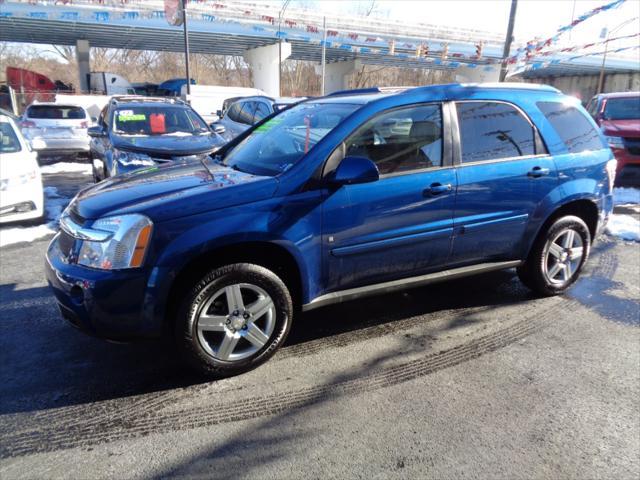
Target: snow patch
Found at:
28, 234
67, 167
54, 204
624, 226
626, 196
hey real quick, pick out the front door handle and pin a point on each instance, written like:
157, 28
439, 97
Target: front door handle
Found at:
436, 189
537, 172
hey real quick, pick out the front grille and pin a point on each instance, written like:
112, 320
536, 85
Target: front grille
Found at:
65, 243
632, 144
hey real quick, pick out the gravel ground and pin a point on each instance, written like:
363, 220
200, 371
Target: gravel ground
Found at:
469, 379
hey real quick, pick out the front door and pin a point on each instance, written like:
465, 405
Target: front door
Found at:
400, 225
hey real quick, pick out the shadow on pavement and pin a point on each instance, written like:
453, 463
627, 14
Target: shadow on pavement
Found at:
49, 364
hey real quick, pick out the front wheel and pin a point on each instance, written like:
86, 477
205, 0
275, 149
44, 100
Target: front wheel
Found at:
557, 257
234, 319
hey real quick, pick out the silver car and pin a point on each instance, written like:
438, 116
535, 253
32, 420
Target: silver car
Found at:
53, 128
248, 111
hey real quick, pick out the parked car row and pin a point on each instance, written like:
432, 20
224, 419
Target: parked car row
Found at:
334, 199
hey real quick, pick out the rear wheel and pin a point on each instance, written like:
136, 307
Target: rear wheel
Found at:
558, 256
234, 319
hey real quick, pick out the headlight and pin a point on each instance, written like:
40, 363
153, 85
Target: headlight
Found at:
124, 248
132, 159
614, 142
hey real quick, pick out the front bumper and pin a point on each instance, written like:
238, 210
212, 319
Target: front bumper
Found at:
106, 304
22, 202
628, 170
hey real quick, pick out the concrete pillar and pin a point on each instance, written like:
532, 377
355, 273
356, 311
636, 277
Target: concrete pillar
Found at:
478, 74
84, 65
265, 66
336, 74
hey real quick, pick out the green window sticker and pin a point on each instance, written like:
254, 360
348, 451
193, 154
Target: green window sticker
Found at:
132, 117
265, 127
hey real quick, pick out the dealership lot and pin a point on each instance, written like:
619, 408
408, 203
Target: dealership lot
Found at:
472, 378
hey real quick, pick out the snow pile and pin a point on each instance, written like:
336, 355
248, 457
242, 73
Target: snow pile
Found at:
626, 196
67, 167
27, 234
54, 203
624, 226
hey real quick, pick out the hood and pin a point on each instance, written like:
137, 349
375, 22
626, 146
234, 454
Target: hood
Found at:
168, 145
173, 190
621, 128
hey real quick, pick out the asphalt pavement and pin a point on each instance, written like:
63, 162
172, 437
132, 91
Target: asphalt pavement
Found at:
475, 378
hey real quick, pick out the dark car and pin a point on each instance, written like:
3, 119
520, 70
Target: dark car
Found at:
139, 132
618, 115
335, 199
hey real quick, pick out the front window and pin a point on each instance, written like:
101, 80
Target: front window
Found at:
282, 141
157, 120
622, 109
401, 140
9, 142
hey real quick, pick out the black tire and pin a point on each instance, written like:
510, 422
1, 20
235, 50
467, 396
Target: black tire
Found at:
211, 284
533, 273
98, 175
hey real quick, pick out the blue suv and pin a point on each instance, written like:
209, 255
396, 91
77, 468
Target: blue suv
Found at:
332, 200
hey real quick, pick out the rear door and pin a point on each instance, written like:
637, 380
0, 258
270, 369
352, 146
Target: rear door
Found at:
399, 226
503, 173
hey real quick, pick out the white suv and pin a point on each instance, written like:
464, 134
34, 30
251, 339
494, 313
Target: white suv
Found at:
53, 128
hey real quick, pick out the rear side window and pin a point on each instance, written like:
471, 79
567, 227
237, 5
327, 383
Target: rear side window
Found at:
572, 127
401, 140
493, 131
246, 114
55, 112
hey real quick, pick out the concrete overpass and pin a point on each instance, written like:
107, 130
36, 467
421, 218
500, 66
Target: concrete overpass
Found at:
255, 31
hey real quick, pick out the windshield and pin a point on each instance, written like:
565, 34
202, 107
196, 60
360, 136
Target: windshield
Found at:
157, 120
622, 109
278, 144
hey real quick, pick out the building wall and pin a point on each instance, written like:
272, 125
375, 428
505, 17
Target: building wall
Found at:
586, 86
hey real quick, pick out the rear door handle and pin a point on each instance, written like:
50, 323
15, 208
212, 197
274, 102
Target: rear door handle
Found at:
537, 172
436, 189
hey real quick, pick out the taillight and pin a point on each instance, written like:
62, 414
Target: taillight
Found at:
27, 124
84, 124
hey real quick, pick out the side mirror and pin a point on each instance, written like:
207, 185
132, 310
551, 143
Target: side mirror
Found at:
217, 128
96, 131
219, 113
354, 170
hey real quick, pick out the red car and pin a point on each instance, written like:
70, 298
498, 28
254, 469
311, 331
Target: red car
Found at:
618, 115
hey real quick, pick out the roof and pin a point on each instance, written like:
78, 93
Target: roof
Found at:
619, 95
366, 95
172, 101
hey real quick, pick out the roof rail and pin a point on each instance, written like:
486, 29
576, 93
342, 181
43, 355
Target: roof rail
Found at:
369, 90
514, 85
142, 98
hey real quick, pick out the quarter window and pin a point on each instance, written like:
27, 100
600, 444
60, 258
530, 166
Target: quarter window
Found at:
492, 131
401, 140
572, 127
